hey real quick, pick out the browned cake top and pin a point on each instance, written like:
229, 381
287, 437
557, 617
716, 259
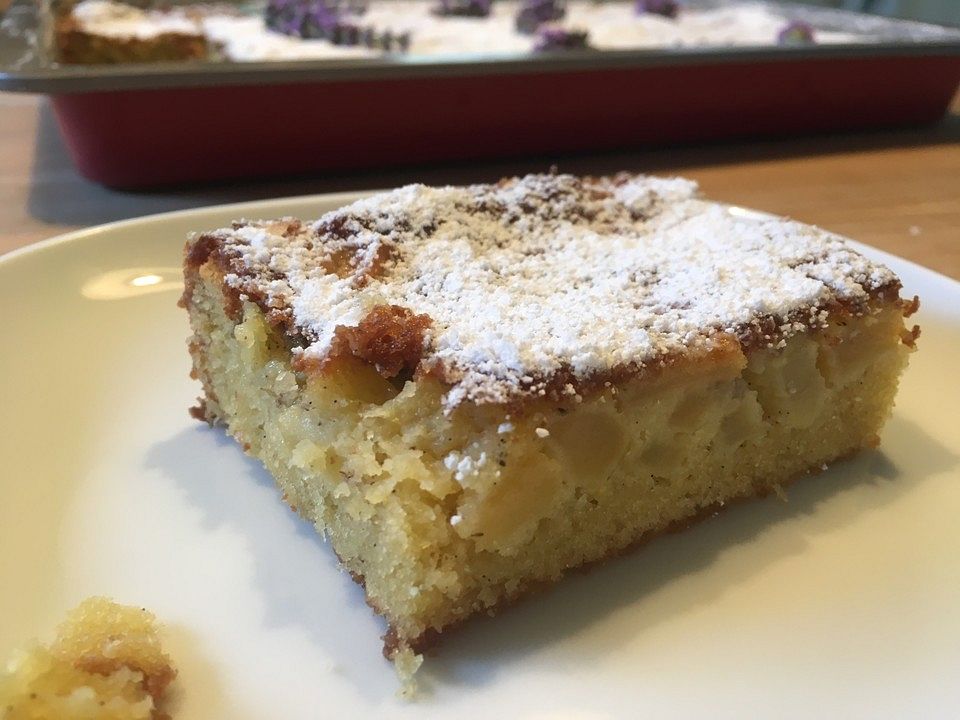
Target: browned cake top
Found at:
539, 283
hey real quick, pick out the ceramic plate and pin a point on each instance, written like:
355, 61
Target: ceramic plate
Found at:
842, 602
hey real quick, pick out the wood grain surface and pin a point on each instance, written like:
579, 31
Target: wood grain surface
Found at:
895, 190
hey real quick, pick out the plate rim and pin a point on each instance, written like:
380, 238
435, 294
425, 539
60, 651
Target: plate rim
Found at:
89, 231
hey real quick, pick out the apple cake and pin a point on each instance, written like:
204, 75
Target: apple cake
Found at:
472, 390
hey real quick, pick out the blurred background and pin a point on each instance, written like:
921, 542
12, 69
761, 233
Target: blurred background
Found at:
937, 11
868, 150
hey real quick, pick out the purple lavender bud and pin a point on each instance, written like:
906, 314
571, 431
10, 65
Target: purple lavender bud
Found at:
534, 13
333, 20
347, 33
311, 19
666, 8
796, 33
319, 21
278, 16
550, 39
462, 8
394, 42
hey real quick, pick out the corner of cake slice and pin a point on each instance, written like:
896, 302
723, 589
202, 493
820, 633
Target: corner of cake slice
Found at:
472, 390
110, 32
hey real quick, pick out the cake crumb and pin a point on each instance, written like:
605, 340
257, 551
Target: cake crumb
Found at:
106, 663
406, 663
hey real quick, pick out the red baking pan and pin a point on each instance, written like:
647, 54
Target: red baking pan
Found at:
133, 126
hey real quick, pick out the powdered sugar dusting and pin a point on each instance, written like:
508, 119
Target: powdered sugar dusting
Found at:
547, 273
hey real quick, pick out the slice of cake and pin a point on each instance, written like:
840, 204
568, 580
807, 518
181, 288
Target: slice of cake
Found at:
472, 390
108, 32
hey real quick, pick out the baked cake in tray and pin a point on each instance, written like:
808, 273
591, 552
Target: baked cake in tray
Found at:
107, 31
472, 390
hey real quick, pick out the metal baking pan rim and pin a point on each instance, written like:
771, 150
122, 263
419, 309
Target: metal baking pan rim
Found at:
69, 79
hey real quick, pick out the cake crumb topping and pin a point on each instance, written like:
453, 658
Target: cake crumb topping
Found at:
541, 281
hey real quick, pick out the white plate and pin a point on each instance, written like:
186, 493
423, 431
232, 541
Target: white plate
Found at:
843, 602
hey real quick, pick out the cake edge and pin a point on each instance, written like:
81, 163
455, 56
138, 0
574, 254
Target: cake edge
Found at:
432, 638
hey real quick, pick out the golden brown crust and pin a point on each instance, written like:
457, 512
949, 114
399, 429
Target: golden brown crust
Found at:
200, 412
346, 262
208, 251
196, 252
390, 338
76, 46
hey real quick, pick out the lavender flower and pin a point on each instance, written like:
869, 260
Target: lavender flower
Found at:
403, 41
346, 33
391, 42
533, 13
796, 33
462, 8
300, 18
336, 21
667, 8
552, 38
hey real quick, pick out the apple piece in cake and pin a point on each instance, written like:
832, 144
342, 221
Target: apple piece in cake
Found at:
472, 390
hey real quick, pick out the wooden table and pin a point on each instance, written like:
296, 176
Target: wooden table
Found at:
896, 190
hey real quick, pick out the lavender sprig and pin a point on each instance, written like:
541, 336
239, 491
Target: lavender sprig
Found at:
462, 8
332, 20
551, 39
666, 8
534, 13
